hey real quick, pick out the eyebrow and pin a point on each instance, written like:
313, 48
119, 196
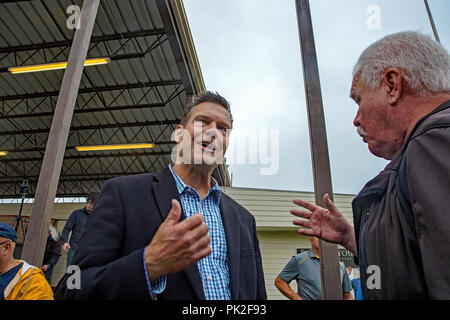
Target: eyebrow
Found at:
203, 116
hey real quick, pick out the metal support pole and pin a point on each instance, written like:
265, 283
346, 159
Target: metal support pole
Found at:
34, 246
430, 16
329, 265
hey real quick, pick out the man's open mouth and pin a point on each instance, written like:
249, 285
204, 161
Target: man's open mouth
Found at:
209, 146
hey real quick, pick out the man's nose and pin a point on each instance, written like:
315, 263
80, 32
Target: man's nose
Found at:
356, 122
212, 132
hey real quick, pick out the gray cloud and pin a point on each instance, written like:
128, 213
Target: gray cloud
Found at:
249, 52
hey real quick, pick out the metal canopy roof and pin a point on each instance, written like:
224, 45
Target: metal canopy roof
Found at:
138, 97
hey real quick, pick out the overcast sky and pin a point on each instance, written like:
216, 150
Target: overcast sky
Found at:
249, 52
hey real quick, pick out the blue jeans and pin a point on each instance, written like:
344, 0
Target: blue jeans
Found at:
69, 257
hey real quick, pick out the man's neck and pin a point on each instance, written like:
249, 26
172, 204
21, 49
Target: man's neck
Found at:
316, 252
419, 107
8, 266
196, 176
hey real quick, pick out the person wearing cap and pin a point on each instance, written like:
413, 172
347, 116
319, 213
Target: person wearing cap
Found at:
18, 279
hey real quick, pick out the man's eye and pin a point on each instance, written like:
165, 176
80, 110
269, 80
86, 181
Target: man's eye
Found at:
200, 122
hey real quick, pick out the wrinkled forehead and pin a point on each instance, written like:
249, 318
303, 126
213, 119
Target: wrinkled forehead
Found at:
355, 85
210, 110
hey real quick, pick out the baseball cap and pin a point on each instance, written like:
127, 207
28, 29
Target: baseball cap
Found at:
8, 232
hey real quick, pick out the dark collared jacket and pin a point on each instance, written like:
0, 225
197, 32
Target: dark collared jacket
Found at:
75, 223
126, 216
52, 250
408, 241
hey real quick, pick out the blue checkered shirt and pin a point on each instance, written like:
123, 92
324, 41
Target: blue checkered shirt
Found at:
213, 268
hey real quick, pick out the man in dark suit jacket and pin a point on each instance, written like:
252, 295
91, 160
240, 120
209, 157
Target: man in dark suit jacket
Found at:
142, 244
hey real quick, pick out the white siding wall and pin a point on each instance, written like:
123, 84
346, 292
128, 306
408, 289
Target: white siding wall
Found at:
277, 248
278, 237
271, 207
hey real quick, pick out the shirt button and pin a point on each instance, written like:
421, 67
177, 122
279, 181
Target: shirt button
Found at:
209, 277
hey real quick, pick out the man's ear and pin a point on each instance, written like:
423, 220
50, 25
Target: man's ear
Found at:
393, 81
178, 134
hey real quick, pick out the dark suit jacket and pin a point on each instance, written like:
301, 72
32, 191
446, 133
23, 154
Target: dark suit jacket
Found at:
127, 215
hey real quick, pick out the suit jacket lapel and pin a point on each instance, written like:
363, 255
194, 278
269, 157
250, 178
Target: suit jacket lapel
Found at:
231, 226
165, 189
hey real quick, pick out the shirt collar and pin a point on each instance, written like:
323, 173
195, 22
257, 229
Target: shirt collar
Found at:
183, 187
312, 254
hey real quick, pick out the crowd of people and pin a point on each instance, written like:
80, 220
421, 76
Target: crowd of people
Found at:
173, 234
22, 281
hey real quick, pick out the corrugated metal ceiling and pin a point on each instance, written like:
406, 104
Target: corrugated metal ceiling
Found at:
138, 97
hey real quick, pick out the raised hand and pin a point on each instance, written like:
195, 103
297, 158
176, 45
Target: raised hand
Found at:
177, 245
327, 224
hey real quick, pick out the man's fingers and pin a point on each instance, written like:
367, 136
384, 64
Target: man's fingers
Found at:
202, 253
302, 223
301, 213
192, 222
192, 237
329, 204
201, 244
304, 204
307, 232
174, 214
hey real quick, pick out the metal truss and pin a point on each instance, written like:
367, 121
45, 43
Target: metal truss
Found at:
57, 44
35, 112
95, 127
92, 90
22, 57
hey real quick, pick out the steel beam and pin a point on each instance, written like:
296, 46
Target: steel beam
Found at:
42, 149
433, 26
115, 57
329, 265
95, 127
92, 156
35, 240
93, 90
72, 177
56, 44
176, 45
87, 110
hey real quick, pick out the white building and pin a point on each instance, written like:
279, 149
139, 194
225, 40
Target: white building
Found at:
278, 237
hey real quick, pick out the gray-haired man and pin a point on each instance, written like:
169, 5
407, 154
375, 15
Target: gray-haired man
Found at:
401, 217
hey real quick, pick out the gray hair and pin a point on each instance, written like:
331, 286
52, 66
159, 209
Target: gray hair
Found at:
54, 233
424, 63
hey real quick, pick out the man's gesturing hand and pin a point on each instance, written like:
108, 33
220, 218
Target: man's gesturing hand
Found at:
177, 245
327, 224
